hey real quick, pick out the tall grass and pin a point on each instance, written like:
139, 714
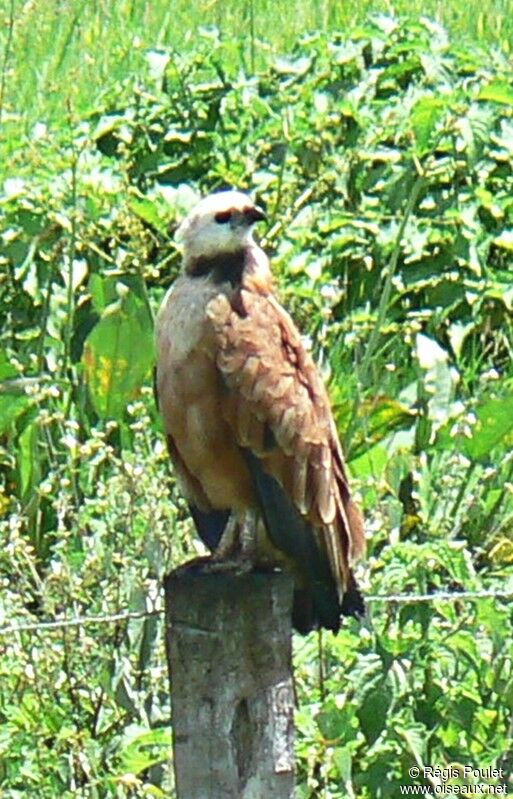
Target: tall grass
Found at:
72, 51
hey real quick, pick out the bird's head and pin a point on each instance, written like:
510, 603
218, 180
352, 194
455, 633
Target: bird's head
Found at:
219, 223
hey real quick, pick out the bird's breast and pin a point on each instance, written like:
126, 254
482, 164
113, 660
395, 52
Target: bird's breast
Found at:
191, 396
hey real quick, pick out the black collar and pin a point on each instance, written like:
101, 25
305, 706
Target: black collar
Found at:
225, 267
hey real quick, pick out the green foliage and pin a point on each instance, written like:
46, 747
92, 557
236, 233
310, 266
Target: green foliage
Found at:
54, 60
385, 161
118, 352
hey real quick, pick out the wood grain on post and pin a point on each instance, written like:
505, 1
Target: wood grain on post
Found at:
229, 653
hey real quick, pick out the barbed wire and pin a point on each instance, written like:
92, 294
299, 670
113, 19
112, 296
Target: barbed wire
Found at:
129, 615
441, 596
79, 621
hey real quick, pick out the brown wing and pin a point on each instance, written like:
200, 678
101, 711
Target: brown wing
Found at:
278, 408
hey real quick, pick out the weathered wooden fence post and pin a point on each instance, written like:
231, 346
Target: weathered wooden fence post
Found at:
229, 654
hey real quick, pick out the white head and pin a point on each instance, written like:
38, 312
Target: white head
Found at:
219, 223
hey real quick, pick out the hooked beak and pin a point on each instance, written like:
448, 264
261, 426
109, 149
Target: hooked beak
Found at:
254, 214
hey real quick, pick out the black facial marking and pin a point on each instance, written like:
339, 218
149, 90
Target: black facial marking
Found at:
223, 217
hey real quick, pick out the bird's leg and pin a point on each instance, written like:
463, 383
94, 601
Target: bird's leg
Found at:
228, 543
248, 537
236, 551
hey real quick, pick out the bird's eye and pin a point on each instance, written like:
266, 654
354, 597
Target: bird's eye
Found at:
223, 217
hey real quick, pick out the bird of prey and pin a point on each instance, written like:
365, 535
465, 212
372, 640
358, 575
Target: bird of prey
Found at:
248, 421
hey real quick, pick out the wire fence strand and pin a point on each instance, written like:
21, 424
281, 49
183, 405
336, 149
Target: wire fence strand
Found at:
129, 615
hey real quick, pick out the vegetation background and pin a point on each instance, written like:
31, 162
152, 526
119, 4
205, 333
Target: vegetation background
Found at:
382, 146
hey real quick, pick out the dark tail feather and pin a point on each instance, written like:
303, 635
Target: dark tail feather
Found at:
309, 612
316, 602
353, 603
312, 608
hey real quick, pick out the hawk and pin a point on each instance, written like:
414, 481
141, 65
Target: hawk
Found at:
248, 422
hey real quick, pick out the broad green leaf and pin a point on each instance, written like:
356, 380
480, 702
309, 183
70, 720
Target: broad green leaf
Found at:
456, 560
13, 401
439, 557
464, 642
7, 370
497, 91
292, 66
371, 464
107, 124
337, 724
342, 758
415, 736
424, 118
108, 289
384, 416
118, 355
12, 405
463, 709
125, 695
494, 423
142, 749
373, 710
502, 551
504, 240
150, 211
502, 292
103, 292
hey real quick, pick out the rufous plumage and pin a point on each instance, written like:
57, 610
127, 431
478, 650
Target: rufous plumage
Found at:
248, 419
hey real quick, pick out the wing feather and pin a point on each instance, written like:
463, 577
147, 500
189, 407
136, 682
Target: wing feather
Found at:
273, 384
